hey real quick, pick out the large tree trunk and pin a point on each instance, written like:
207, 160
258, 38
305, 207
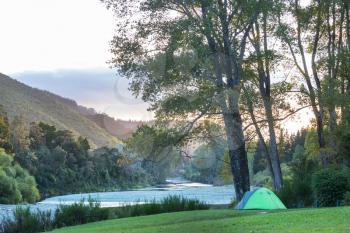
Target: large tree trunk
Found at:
228, 101
237, 153
276, 166
332, 127
235, 141
226, 63
331, 66
319, 129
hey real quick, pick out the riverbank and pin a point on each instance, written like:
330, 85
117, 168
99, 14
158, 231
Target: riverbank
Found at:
212, 195
327, 220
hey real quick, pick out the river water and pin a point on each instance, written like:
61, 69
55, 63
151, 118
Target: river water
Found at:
174, 186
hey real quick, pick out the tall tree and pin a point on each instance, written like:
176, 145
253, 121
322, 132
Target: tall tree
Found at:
19, 134
293, 32
185, 58
315, 38
4, 131
262, 58
345, 66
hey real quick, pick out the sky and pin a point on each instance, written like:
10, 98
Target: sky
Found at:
63, 46
39, 35
100, 89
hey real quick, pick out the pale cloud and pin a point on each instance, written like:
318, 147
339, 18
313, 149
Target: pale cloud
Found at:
100, 89
54, 34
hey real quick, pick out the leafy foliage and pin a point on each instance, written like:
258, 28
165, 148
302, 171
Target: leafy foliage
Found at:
155, 151
62, 164
208, 164
15, 182
79, 213
330, 185
26, 221
4, 131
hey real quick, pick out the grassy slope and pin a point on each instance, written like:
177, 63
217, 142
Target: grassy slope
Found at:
37, 105
329, 220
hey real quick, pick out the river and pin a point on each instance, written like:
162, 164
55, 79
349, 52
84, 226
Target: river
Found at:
175, 186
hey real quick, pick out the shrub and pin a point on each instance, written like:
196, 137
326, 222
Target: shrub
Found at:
178, 203
80, 213
296, 193
262, 178
15, 182
25, 221
297, 189
346, 199
329, 186
287, 194
168, 204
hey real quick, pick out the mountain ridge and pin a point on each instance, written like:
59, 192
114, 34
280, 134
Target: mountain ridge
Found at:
64, 113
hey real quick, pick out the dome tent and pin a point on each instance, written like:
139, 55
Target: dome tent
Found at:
260, 199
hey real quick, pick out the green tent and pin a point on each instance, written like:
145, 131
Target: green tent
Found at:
260, 199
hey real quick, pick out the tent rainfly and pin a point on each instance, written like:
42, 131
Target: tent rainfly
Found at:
260, 199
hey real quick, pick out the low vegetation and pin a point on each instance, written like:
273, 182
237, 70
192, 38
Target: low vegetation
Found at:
15, 182
167, 205
328, 220
79, 213
25, 220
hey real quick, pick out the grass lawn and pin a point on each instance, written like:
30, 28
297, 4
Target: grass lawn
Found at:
219, 221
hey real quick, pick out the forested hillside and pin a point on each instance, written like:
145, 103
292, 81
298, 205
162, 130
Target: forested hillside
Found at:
37, 160
37, 105
119, 128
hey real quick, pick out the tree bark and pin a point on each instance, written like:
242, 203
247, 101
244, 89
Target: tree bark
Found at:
237, 153
276, 165
347, 20
261, 139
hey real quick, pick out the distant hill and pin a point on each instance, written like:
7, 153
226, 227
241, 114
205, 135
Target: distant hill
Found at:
119, 128
37, 105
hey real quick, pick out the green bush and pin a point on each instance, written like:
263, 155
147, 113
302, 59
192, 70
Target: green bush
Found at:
329, 186
15, 182
296, 193
346, 199
25, 221
287, 194
80, 213
166, 205
297, 190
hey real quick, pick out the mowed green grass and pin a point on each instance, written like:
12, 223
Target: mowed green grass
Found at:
326, 220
